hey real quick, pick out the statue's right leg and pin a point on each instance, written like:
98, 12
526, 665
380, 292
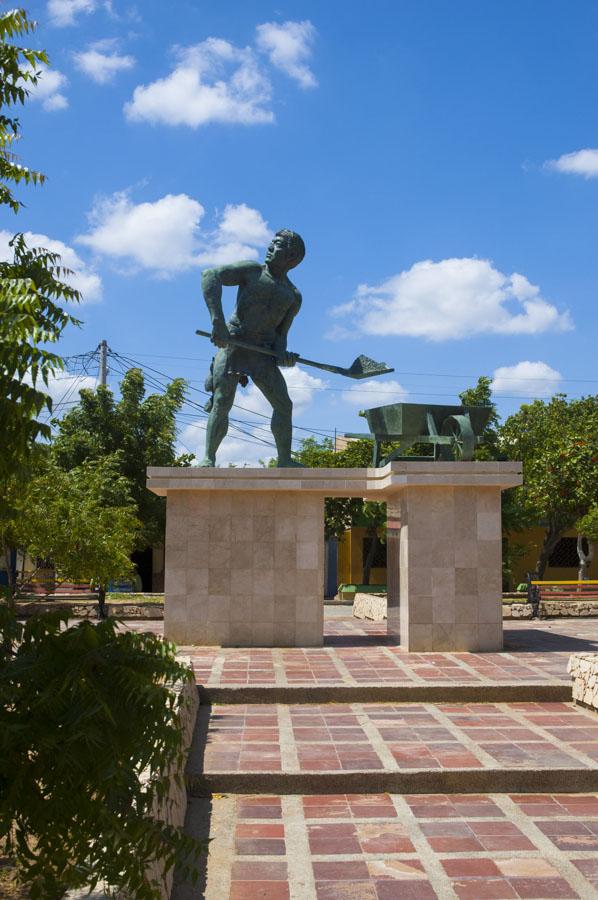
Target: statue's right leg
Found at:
225, 387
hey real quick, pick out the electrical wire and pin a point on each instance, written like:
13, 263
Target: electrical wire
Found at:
248, 436
396, 372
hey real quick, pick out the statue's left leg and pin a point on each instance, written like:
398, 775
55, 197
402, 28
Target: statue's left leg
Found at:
274, 388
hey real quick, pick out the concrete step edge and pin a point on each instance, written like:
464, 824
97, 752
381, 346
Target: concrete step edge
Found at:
415, 781
541, 692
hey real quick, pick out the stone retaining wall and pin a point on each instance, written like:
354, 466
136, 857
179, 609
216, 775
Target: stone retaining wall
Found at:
370, 606
373, 607
568, 609
173, 808
583, 668
517, 611
87, 609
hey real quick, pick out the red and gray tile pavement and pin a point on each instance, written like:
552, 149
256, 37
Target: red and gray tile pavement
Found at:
449, 770
397, 747
386, 846
358, 654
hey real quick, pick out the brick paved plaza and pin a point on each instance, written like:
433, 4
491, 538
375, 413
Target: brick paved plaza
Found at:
470, 775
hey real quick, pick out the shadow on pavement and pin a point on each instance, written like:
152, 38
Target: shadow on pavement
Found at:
528, 640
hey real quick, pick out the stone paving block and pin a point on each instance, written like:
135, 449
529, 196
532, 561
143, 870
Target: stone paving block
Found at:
383, 846
359, 653
307, 741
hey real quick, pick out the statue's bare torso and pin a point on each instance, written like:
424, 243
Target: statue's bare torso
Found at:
263, 304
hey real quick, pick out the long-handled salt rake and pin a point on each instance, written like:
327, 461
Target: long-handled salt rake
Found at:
362, 367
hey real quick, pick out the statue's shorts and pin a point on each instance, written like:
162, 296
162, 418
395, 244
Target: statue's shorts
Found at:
234, 365
238, 365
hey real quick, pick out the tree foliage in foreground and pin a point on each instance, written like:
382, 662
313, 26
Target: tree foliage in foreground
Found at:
19, 70
32, 284
84, 711
140, 429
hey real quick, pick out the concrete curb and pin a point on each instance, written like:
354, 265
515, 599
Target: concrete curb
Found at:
416, 781
541, 692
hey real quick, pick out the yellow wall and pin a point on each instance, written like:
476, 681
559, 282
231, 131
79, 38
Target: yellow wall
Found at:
350, 559
532, 540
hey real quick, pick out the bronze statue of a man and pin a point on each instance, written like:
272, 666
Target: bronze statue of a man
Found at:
267, 303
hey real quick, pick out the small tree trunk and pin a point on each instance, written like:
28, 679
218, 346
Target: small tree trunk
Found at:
372, 533
551, 539
10, 575
584, 558
102, 614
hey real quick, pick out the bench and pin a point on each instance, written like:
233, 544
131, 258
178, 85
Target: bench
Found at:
547, 597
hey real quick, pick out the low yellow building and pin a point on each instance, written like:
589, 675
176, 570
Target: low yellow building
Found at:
352, 550
563, 566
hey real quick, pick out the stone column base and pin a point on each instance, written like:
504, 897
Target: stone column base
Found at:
245, 569
445, 568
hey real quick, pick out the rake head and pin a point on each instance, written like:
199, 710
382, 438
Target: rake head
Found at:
364, 367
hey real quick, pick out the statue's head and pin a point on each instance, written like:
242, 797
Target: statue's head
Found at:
286, 249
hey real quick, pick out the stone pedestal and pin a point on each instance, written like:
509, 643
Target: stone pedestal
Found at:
245, 569
444, 568
245, 552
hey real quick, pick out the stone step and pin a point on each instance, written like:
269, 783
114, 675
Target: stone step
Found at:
381, 846
400, 747
541, 692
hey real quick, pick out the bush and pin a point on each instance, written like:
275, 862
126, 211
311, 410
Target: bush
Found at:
84, 711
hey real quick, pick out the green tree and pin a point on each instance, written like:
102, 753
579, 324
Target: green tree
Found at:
141, 430
481, 395
19, 70
557, 441
83, 521
13, 509
32, 284
514, 511
85, 712
343, 512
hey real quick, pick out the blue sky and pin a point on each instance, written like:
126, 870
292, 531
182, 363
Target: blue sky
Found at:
439, 159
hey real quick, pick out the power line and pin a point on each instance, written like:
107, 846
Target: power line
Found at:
205, 393
256, 439
396, 371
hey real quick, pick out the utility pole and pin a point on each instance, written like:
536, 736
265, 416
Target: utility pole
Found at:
103, 349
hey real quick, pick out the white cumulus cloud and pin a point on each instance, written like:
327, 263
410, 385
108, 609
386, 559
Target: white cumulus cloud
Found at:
101, 61
302, 389
527, 379
289, 47
49, 90
242, 223
452, 298
582, 162
212, 81
64, 12
375, 393
166, 236
159, 235
64, 389
83, 277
